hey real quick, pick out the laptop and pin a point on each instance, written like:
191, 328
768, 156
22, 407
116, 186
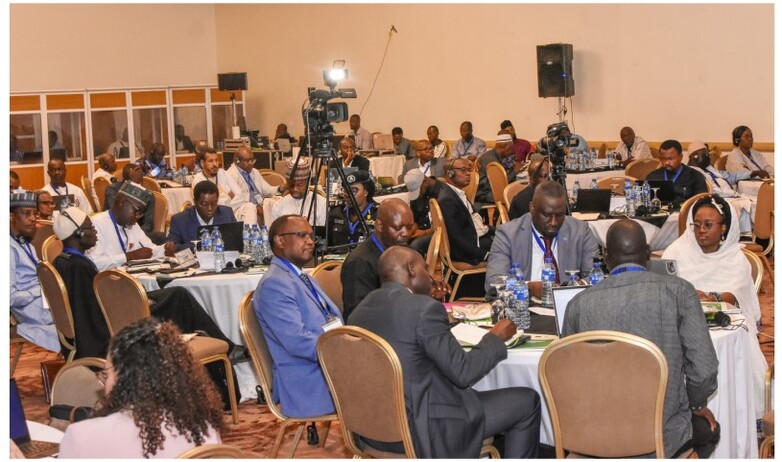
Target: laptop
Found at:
283, 145
231, 234
334, 174
663, 266
593, 200
666, 194
21, 434
562, 297
383, 142
63, 201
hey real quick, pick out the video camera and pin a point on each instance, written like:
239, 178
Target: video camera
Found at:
558, 137
320, 114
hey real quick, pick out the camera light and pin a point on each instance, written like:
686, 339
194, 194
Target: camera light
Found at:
332, 76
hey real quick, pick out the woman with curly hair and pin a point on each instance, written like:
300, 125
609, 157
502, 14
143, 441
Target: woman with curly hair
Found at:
158, 401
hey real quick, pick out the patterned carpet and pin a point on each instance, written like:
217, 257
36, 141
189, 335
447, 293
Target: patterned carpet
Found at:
257, 427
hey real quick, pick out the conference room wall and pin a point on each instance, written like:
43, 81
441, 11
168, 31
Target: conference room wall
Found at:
670, 71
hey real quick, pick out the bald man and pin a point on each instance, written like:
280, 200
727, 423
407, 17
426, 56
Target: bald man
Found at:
393, 226
665, 310
438, 372
632, 147
538, 170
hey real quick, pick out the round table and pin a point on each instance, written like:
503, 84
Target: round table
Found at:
390, 166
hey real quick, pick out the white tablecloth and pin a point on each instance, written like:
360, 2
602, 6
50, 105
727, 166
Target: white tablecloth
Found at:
733, 403
387, 166
657, 238
176, 197
585, 179
750, 188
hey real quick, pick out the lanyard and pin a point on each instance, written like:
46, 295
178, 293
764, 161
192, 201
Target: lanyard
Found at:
27, 250
675, 177
247, 178
58, 191
753, 161
73, 251
713, 176
540, 243
627, 269
467, 147
323, 308
116, 229
378, 244
426, 170
352, 226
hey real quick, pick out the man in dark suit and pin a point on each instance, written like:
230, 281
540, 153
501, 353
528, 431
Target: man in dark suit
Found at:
447, 418
184, 225
134, 174
687, 181
348, 156
425, 161
538, 171
470, 239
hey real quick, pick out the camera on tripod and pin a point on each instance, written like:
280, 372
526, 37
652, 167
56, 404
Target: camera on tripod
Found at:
558, 137
320, 114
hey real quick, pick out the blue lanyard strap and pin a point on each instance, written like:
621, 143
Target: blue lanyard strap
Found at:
116, 230
378, 244
675, 177
57, 190
713, 176
27, 250
323, 308
627, 269
540, 243
73, 251
753, 161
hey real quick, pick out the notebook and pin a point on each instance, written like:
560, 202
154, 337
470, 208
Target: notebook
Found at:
231, 234
21, 434
562, 297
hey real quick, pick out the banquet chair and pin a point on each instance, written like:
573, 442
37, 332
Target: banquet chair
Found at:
767, 445
721, 163
714, 154
601, 151
122, 300
471, 189
756, 264
53, 288
151, 184
44, 229
654, 152
51, 248
272, 177
160, 215
615, 183
255, 341
498, 179
511, 191
328, 276
17, 340
503, 212
641, 168
86, 185
452, 270
77, 385
365, 378
605, 393
215, 451
185, 205
433, 252
100, 184
684, 211
763, 227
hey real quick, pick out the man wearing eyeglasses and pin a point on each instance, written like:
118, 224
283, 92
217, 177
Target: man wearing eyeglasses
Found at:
425, 162
120, 238
293, 311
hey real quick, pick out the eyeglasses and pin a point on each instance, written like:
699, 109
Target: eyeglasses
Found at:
464, 169
705, 225
102, 375
300, 234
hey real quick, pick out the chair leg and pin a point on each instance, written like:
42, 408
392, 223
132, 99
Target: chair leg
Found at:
296, 439
278, 439
765, 447
767, 266
322, 438
490, 451
17, 355
455, 288
229, 375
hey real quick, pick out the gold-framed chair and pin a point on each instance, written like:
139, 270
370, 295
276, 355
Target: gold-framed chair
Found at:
498, 179
433, 252
451, 269
503, 212
615, 183
215, 451
767, 422
100, 184
714, 154
51, 248
685, 210
53, 288
593, 382
44, 229
756, 264
150, 184
86, 185
185, 205
328, 276
471, 189
255, 342
160, 214
511, 191
601, 151
272, 177
370, 399
123, 300
763, 227
641, 168
77, 385
654, 152
17, 340
721, 163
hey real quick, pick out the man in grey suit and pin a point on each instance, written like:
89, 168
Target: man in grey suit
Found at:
447, 418
666, 311
425, 162
545, 231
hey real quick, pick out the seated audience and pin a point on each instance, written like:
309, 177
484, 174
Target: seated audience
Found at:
252, 187
393, 226
402, 145
184, 225
744, 158
441, 148
182, 141
632, 147
468, 145
344, 225
107, 165
664, 310
230, 193
45, 205
425, 161
539, 170
59, 187
14, 181
294, 203
447, 418
709, 256
293, 312
361, 135
469, 237
154, 165
120, 238
158, 401
503, 148
132, 173
420, 190
521, 147
347, 153
544, 232
687, 182
35, 321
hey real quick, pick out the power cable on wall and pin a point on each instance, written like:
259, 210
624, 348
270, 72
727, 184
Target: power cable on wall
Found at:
391, 32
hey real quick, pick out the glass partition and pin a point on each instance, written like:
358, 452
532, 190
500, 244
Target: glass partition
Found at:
66, 136
26, 139
189, 127
150, 125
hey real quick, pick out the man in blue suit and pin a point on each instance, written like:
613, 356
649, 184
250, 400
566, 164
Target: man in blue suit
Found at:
293, 312
184, 225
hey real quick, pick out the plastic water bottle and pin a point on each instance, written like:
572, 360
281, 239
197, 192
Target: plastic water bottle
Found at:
216, 234
576, 187
592, 158
596, 275
206, 240
610, 158
266, 250
547, 277
510, 286
246, 244
646, 192
219, 252
593, 184
520, 309
629, 199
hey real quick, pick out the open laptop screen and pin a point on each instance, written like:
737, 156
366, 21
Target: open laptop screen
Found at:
562, 297
231, 234
19, 432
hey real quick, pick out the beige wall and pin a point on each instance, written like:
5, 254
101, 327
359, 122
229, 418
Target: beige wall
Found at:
56, 47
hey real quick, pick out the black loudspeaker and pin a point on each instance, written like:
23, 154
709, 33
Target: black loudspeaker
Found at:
555, 70
232, 81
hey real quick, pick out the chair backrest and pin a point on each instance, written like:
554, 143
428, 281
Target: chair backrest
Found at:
605, 392
100, 184
365, 378
765, 205
433, 252
654, 152
272, 177
685, 210
498, 179
614, 183
714, 154
504, 217
44, 229
214, 451
51, 248
161, 212
756, 264
601, 152
185, 205
641, 168
150, 184
86, 185
256, 345
511, 191
439, 223
721, 162
56, 294
77, 385
328, 276
471, 189
122, 299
